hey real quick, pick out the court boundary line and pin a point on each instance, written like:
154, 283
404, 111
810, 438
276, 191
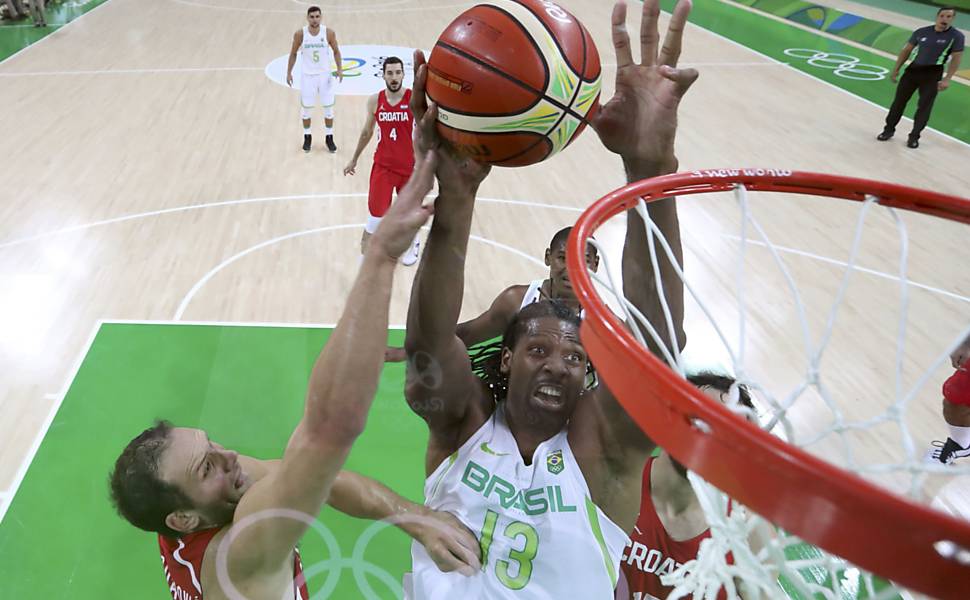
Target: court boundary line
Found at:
28, 460
51, 34
349, 9
242, 201
190, 295
810, 76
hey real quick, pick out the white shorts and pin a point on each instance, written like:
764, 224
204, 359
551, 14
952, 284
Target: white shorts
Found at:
312, 86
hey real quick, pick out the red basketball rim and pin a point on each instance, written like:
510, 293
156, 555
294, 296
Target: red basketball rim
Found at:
821, 503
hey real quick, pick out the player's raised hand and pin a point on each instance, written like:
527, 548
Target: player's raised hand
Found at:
408, 212
456, 172
640, 121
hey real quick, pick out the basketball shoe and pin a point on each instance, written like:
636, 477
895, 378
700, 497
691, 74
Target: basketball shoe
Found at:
307, 138
411, 256
946, 452
330, 145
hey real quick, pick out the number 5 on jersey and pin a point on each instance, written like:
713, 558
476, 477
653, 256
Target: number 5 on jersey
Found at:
518, 532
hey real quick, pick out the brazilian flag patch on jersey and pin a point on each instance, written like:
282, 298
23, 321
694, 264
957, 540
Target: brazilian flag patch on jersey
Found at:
555, 463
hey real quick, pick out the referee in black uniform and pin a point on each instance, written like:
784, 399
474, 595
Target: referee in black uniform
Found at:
936, 44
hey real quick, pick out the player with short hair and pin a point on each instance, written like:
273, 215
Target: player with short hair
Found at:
956, 410
672, 525
936, 43
545, 470
494, 321
228, 524
318, 48
394, 156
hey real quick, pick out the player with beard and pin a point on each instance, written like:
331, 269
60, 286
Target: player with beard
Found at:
228, 524
494, 321
544, 470
394, 156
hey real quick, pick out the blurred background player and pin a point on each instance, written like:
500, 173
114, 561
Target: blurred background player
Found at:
493, 322
936, 43
195, 494
394, 156
672, 525
956, 409
317, 44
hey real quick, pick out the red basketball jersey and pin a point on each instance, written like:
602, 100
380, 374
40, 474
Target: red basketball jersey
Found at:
395, 150
652, 552
182, 561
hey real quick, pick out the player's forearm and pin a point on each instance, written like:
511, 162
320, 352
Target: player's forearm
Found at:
362, 142
639, 283
439, 284
290, 64
337, 58
364, 498
901, 58
952, 69
344, 378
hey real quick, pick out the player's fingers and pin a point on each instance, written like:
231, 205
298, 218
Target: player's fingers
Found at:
621, 37
448, 562
673, 40
682, 78
419, 101
466, 555
649, 33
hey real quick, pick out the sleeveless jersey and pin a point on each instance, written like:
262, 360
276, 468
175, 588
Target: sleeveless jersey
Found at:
182, 561
316, 52
395, 150
533, 294
541, 536
652, 552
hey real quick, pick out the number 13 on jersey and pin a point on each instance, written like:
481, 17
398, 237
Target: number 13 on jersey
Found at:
519, 561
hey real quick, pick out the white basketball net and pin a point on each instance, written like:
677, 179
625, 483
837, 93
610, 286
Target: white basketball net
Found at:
806, 571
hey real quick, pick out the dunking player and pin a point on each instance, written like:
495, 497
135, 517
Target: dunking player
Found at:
228, 524
545, 471
672, 525
494, 321
956, 409
317, 45
394, 156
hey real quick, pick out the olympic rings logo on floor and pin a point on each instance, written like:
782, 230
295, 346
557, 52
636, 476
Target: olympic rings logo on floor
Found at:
843, 65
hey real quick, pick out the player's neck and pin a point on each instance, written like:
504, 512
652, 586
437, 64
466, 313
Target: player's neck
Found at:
314, 29
527, 437
394, 98
672, 488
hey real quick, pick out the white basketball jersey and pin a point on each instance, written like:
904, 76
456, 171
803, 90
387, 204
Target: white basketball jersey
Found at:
540, 533
316, 52
533, 294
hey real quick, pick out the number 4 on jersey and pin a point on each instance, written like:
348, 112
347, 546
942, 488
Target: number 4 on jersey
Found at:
393, 134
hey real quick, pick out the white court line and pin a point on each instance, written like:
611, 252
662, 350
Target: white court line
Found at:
221, 323
187, 299
351, 9
133, 71
818, 79
165, 211
42, 432
833, 261
59, 29
720, 64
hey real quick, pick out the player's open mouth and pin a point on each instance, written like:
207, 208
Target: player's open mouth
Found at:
549, 395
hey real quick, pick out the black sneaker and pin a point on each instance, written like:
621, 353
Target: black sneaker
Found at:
307, 138
946, 452
912, 142
330, 145
885, 135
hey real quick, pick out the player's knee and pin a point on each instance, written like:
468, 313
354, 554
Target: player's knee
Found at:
304, 113
328, 111
372, 223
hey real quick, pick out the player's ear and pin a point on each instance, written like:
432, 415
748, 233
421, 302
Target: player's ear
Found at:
183, 521
505, 365
547, 255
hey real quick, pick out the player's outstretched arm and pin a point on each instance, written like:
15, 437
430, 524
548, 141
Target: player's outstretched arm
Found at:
639, 123
449, 543
294, 48
366, 133
341, 388
492, 323
440, 383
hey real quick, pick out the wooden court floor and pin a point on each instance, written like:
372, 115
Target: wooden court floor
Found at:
153, 172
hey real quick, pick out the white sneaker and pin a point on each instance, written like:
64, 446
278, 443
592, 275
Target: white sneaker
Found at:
411, 256
945, 452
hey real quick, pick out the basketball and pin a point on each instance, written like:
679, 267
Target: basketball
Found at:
516, 81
